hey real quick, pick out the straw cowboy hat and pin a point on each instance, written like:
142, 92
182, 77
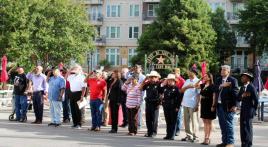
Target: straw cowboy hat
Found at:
171, 77
249, 75
153, 74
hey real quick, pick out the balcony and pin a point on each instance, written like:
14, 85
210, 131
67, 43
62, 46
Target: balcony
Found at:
147, 19
93, 2
232, 18
242, 42
151, 1
96, 20
100, 41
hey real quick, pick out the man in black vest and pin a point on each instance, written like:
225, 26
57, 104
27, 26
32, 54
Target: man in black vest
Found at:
248, 97
227, 92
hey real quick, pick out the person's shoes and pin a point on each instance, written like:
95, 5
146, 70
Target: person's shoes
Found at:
154, 134
148, 135
194, 140
34, 122
221, 145
206, 141
92, 129
112, 131
186, 139
78, 127
66, 121
22, 120
168, 138
51, 124
57, 125
97, 129
38, 122
131, 134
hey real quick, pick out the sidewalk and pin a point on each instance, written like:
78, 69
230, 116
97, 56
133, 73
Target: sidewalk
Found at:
28, 135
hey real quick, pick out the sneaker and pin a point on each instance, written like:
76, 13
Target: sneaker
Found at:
186, 139
97, 129
194, 140
78, 127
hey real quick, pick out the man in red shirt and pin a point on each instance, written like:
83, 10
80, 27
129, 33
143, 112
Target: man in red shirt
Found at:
98, 89
179, 82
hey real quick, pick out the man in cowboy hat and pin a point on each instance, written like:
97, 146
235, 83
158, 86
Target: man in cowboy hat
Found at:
171, 104
152, 86
248, 96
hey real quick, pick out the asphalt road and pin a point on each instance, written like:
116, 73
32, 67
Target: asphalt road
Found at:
14, 134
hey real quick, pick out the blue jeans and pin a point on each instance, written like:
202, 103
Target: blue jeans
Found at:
66, 105
179, 120
96, 112
55, 111
226, 121
21, 106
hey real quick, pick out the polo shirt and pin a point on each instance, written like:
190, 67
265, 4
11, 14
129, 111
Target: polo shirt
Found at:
55, 86
190, 95
76, 82
96, 88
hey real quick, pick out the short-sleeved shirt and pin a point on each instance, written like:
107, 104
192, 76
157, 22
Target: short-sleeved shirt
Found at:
179, 82
96, 88
20, 84
55, 86
76, 82
266, 84
190, 95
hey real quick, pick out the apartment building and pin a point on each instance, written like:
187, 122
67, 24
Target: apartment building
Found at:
120, 23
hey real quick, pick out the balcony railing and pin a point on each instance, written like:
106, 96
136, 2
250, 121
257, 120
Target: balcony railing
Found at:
100, 41
232, 16
93, 2
147, 18
96, 20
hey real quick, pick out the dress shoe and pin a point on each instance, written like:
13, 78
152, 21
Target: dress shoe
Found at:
57, 125
131, 134
148, 135
51, 124
221, 145
112, 131
34, 122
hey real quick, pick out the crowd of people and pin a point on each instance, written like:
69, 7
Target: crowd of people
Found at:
128, 89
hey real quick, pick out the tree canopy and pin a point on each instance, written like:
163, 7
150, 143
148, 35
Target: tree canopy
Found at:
182, 27
254, 23
226, 40
48, 31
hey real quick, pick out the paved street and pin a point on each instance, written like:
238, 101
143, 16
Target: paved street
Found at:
14, 134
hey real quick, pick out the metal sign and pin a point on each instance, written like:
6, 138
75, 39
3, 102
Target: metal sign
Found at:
160, 59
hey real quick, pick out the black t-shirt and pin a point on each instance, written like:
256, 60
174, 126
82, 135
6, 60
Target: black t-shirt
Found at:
20, 84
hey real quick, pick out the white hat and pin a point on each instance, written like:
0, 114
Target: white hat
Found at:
171, 77
153, 74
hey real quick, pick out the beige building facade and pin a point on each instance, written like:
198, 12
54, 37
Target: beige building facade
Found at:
120, 23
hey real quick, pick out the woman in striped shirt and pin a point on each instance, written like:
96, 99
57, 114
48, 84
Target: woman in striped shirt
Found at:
132, 88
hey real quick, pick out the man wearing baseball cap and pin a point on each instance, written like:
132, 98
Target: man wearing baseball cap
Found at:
249, 103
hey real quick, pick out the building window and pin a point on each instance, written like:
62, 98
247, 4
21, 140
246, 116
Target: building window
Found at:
134, 10
112, 56
113, 10
96, 57
95, 13
131, 53
133, 32
113, 32
152, 9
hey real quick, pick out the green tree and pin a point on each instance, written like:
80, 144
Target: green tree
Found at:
226, 40
182, 27
50, 31
254, 23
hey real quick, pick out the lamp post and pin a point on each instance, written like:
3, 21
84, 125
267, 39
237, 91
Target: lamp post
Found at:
88, 61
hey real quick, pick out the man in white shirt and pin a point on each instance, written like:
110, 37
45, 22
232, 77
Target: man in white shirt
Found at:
190, 105
78, 90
